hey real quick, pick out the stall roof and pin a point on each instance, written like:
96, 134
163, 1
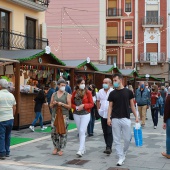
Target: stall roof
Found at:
106, 68
126, 72
26, 55
79, 63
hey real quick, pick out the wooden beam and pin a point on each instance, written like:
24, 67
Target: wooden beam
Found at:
72, 78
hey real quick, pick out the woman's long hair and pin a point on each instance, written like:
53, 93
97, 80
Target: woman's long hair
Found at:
80, 93
94, 89
41, 95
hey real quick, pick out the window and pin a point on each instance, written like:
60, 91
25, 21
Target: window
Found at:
128, 30
128, 57
128, 6
112, 33
151, 17
111, 60
4, 29
30, 33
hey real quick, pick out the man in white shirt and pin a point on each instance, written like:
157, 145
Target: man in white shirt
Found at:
7, 111
102, 107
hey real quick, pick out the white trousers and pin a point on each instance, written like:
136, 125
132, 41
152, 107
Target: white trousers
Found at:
121, 127
82, 122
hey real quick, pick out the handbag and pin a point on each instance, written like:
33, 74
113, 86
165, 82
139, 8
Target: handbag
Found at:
59, 122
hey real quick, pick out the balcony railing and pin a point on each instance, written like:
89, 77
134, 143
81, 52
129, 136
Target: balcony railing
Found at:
11, 40
114, 12
150, 21
115, 40
37, 5
152, 57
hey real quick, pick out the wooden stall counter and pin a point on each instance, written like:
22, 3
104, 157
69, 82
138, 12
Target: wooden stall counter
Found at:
26, 111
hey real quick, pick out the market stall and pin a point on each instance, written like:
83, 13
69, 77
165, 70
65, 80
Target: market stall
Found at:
35, 70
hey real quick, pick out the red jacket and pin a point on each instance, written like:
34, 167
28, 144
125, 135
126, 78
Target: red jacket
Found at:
87, 101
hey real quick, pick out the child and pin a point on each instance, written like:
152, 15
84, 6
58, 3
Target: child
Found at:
39, 101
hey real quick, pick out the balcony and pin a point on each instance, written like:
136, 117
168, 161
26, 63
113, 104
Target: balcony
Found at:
37, 5
152, 22
114, 40
152, 57
10, 40
114, 12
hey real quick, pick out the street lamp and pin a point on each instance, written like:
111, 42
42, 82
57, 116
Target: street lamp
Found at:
147, 77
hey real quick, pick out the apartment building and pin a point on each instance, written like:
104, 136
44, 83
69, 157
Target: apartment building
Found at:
120, 33
152, 38
73, 29
22, 24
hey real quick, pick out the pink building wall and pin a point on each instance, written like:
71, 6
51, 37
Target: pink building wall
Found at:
73, 33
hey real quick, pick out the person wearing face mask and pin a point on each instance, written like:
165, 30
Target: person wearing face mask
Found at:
155, 104
63, 99
81, 102
119, 116
142, 97
102, 106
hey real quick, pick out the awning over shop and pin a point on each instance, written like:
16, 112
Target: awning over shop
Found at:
107, 68
79, 64
27, 55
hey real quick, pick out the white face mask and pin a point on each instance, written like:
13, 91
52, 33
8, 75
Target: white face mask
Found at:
62, 88
82, 86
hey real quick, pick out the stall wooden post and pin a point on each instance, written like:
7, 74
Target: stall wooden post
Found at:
72, 78
55, 74
17, 95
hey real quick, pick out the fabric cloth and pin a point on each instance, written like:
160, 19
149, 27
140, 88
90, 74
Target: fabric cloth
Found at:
5, 135
142, 113
38, 104
121, 126
38, 115
168, 136
154, 113
102, 96
107, 132
121, 100
7, 101
67, 89
82, 122
167, 109
60, 140
49, 94
142, 97
87, 101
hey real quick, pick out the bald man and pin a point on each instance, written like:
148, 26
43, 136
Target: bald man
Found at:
102, 107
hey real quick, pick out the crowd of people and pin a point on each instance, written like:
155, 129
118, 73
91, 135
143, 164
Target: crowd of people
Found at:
113, 103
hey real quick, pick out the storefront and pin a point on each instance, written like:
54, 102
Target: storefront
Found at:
34, 69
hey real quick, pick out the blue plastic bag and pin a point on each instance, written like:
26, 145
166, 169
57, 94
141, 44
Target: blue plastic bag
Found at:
138, 135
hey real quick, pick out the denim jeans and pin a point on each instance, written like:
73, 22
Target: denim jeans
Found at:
90, 127
5, 135
168, 136
155, 116
38, 116
161, 109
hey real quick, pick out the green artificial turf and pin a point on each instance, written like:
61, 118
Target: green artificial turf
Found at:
16, 140
48, 130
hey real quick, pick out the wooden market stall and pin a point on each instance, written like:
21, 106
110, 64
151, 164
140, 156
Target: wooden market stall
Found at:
35, 68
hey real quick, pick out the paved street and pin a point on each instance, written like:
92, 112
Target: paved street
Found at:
36, 154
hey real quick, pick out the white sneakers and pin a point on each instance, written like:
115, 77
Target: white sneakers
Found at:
32, 128
43, 128
80, 153
154, 127
121, 161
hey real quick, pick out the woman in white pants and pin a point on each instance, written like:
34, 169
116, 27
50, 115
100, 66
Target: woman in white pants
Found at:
81, 102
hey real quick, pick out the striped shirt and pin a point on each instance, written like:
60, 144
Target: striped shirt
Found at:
7, 101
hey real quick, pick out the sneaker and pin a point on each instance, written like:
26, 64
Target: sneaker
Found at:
79, 154
108, 151
2, 157
43, 128
121, 161
165, 155
32, 128
154, 127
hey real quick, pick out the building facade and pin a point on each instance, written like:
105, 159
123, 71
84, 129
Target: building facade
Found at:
153, 38
73, 29
22, 24
120, 33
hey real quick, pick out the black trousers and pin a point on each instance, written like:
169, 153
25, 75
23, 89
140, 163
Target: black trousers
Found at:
107, 132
